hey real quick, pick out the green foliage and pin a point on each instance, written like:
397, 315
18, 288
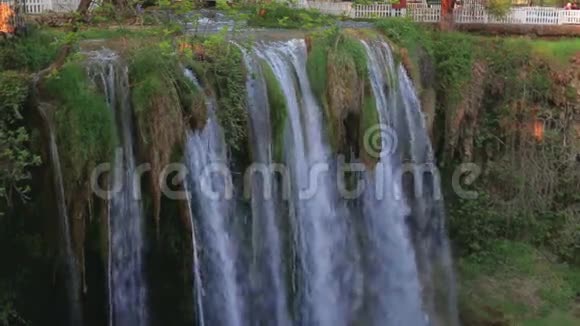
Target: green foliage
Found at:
32, 52
476, 225
453, 54
278, 110
84, 124
498, 8
281, 15
222, 67
16, 157
405, 32
517, 284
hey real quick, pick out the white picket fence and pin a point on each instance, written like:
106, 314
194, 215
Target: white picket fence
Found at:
42, 6
424, 13
331, 8
378, 10
467, 14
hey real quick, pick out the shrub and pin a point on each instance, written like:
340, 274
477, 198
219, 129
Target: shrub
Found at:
15, 155
85, 129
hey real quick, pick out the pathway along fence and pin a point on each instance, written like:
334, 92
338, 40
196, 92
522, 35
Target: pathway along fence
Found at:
468, 14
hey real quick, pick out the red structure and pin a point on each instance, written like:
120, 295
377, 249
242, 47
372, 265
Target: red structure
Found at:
447, 13
400, 5
6, 18
11, 19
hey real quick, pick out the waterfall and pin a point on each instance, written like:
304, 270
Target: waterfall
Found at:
380, 259
127, 287
319, 216
267, 267
396, 301
197, 282
400, 109
428, 214
205, 156
72, 281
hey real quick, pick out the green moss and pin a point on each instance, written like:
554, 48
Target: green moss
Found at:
336, 67
316, 67
370, 115
278, 111
158, 81
84, 124
370, 119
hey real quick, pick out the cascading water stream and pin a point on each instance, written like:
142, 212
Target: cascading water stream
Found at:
198, 284
127, 290
325, 254
431, 242
395, 292
72, 280
380, 272
400, 109
205, 156
267, 267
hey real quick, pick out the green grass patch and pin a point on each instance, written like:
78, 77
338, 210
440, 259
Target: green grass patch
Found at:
561, 50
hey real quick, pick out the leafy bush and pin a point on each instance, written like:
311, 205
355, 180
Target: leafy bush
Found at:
15, 155
476, 225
